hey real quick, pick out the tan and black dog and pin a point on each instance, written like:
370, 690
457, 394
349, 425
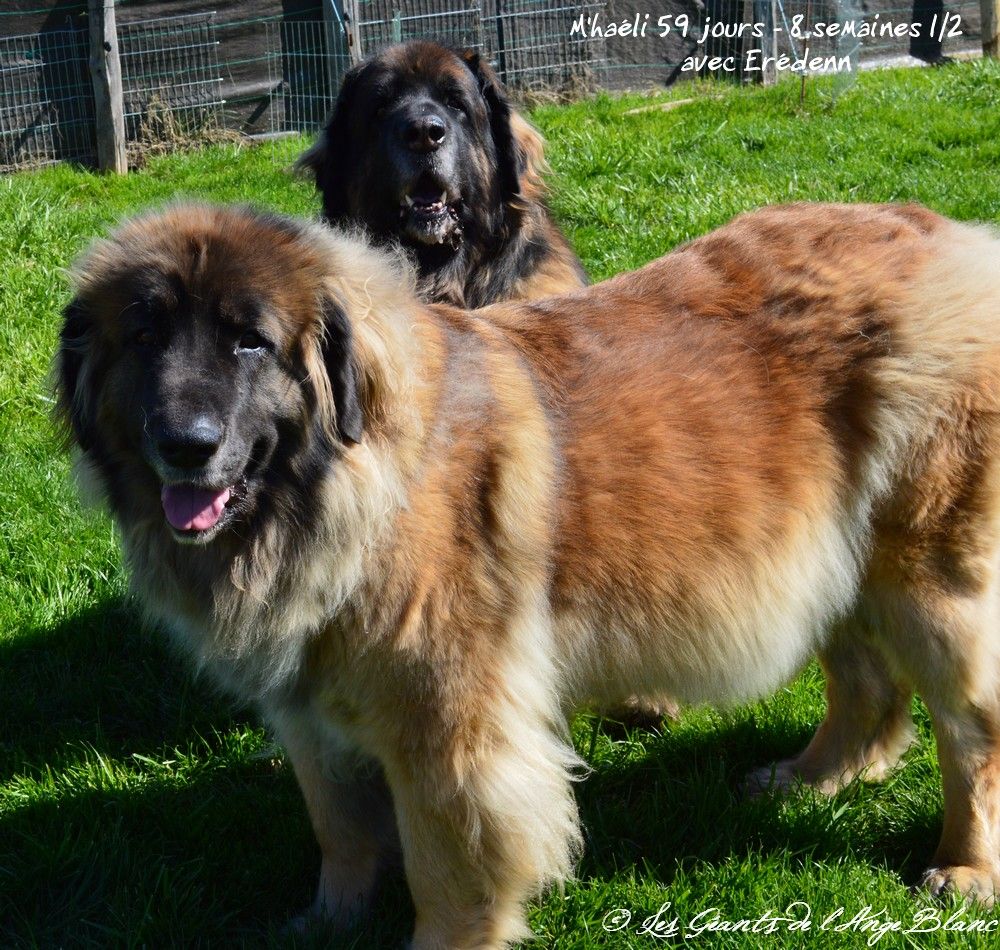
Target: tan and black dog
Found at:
418, 537
424, 148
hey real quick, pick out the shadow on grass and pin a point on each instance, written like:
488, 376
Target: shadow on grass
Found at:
103, 679
225, 858
220, 852
683, 804
223, 852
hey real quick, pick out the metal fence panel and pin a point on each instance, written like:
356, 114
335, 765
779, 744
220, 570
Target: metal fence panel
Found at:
535, 47
171, 80
457, 23
46, 101
186, 77
307, 60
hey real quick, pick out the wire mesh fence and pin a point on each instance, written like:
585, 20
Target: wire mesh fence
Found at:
187, 77
537, 47
460, 24
306, 60
46, 110
171, 80
171, 83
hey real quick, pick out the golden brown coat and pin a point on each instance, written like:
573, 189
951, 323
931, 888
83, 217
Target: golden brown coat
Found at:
782, 438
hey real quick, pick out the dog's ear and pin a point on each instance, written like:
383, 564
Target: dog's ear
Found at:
531, 146
329, 159
512, 157
338, 359
72, 407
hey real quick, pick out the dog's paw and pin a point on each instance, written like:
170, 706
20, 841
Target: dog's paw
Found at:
786, 776
974, 884
778, 778
300, 925
317, 921
646, 712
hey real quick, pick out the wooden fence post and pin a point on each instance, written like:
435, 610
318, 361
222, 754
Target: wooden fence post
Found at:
106, 72
333, 30
352, 24
991, 27
760, 12
765, 12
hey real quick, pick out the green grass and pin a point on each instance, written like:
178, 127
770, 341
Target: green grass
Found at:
138, 807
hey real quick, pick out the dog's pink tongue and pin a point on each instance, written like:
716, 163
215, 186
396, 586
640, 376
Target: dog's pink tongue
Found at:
193, 509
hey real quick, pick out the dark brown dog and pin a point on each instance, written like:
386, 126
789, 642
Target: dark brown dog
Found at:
417, 537
423, 148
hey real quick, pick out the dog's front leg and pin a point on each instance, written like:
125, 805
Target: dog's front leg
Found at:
478, 842
351, 814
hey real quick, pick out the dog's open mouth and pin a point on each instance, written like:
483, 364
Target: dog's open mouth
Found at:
428, 215
196, 513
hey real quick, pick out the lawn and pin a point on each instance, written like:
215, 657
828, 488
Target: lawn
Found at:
139, 807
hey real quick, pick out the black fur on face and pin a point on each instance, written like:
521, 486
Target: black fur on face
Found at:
421, 149
201, 376
341, 372
74, 401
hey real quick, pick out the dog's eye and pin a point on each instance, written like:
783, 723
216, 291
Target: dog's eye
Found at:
453, 102
251, 340
145, 337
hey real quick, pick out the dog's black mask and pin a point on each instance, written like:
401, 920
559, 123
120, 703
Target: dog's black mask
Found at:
206, 371
419, 148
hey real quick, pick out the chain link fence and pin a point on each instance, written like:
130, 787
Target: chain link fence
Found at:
199, 76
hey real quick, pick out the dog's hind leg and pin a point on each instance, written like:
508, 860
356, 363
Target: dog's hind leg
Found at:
951, 646
867, 725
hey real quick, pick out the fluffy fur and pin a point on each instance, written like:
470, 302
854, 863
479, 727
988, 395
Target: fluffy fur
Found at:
780, 439
495, 240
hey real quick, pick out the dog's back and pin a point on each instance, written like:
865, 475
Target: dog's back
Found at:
746, 427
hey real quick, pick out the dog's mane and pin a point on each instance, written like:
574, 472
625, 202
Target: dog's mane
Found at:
375, 289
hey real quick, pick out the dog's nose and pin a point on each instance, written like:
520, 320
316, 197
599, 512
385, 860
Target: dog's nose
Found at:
425, 133
191, 445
